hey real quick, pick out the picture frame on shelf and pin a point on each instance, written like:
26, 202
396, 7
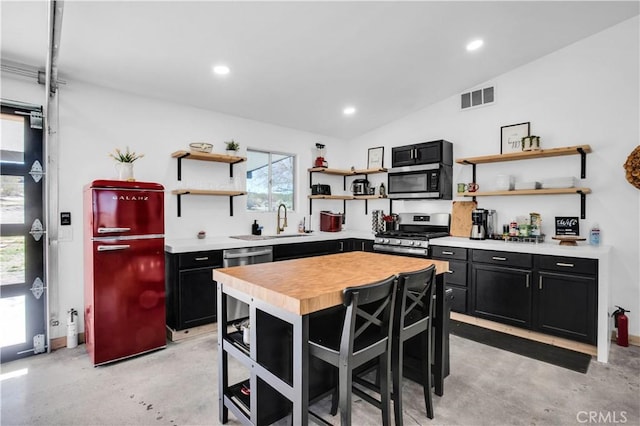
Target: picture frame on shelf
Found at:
511, 137
375, 158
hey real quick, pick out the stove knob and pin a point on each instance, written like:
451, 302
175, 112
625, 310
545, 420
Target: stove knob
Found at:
398, 242
385, 240
411, 243
418, 243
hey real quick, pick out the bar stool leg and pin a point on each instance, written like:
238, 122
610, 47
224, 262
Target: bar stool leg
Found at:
344, 391
396, 373
385, 391
427, 381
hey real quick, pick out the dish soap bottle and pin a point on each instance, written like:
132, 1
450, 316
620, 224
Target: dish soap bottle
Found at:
255, 228
594, 235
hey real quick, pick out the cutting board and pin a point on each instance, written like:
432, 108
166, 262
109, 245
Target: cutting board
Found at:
461, 218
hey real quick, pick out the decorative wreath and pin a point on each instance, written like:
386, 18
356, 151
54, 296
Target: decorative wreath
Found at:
632, 167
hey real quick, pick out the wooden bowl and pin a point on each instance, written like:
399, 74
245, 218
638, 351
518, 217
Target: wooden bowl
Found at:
568, 240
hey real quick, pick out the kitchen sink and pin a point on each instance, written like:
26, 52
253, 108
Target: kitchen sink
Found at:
266, 237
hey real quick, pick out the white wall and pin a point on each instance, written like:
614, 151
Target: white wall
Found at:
587, 93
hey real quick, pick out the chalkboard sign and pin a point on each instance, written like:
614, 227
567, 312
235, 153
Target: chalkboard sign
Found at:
566, 225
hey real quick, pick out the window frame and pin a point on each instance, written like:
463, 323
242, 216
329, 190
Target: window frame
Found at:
294, 176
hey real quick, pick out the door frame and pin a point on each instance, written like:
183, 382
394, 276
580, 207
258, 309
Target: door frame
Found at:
36, 316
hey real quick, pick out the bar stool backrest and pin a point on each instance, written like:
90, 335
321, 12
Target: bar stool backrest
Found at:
368, 319
414, 303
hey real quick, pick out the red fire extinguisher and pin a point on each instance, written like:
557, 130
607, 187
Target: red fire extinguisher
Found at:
622, 324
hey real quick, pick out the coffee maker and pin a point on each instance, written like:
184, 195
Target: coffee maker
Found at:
478, 224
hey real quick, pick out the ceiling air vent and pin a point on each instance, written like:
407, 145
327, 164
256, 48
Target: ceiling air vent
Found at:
477, 97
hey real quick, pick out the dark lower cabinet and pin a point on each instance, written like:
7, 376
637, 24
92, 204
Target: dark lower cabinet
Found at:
361, 245
502, 294
566, 298
456, 278
191, 291
551, 294
316, 248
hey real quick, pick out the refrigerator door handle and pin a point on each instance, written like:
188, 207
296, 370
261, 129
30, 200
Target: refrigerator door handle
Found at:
114, 247
109, 230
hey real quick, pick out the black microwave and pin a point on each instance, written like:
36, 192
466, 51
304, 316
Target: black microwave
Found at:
427, 181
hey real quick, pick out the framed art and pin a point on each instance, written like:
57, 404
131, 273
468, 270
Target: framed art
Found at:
375, 159
511, 137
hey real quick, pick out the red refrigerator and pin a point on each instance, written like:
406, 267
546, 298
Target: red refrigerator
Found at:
124, 277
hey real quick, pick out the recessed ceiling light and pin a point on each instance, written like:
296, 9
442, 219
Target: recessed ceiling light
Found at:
475, 44
349, 110
221, 69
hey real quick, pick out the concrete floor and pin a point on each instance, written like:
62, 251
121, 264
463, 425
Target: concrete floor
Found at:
178, 386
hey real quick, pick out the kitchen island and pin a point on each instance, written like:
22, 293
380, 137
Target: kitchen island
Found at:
281, 296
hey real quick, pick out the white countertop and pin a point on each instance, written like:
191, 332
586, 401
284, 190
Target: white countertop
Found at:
186, 245
583, 250
548, 247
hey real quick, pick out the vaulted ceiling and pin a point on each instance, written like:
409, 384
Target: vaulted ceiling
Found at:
298, 64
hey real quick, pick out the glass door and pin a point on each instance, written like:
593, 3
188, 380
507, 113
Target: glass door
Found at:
22, 280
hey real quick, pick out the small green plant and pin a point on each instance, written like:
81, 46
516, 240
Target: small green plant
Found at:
126, 156
232, 145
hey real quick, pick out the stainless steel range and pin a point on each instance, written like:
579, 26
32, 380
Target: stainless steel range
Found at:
413, 233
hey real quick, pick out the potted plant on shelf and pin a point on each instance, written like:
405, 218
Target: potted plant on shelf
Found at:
232, 147
124, 163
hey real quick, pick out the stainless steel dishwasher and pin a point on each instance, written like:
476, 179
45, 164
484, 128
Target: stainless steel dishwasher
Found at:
236, 309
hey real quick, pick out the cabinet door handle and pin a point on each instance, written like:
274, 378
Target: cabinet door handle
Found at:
341, 246
568, 265
540, 283
202, 258
448, 252
449, 272
528, 280
499, 258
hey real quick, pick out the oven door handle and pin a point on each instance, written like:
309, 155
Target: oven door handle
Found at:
401, 250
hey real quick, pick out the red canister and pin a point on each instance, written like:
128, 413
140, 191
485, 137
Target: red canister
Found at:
330, 222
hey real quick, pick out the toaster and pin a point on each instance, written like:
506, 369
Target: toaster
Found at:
320, 189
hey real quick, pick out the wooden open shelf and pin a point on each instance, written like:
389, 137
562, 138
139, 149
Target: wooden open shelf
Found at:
341, 172
527, 155
205, 156
344, 173
230, 194
547, 191
345, 197
580, 150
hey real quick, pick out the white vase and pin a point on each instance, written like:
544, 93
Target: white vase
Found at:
232, 152
125, 171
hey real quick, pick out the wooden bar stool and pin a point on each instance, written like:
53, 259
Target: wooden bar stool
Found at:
366, 335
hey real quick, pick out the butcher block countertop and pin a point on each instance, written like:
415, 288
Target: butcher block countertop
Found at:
307, 285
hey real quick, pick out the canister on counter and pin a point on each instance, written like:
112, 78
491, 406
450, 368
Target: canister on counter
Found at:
536, 224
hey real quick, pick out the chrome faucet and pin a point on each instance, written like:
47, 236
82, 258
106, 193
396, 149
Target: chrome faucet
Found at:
284, 223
